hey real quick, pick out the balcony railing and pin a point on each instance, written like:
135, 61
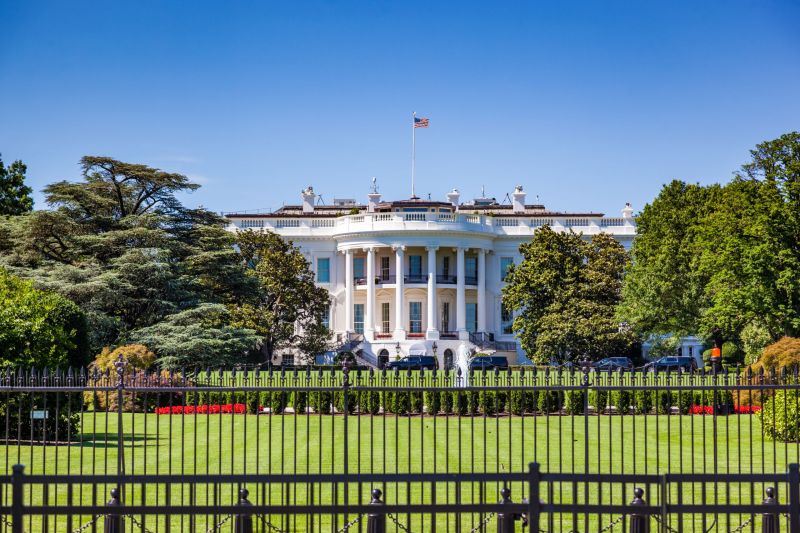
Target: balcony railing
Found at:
446, 280
417, 278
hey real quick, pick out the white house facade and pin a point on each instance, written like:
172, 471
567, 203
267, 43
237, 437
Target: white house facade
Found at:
420, 276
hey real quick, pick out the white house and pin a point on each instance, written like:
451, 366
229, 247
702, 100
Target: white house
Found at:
420, 276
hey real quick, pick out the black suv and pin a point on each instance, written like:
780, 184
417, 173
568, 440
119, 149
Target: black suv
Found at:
613, 363
674, 363
488, 361
413, 362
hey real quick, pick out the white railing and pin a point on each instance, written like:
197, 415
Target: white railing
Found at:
383, 217
252, 224
322, 223
576, 222
414, 216
506, 222
611, 222
287, 223
536, 222
446, 217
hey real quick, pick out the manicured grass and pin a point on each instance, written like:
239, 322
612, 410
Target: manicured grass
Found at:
188, 444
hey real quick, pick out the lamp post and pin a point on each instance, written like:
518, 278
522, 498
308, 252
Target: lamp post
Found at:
397, 349
434, 348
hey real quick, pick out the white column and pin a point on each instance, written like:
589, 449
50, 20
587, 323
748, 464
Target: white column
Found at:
461, 297
433, 332
399, 330
482, 290
369, 321
348, 291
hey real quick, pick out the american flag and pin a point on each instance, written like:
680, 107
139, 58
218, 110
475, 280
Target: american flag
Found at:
420, 122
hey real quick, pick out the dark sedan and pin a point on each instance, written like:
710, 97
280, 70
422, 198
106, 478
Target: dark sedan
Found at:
613, 363
488, 361
672, 363
413, 362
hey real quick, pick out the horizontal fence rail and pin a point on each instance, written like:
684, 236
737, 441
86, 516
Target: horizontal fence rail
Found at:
329, 437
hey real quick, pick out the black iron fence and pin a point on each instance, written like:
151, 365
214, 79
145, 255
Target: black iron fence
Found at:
310, 446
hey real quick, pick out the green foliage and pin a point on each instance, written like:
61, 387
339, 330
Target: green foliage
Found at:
339, 402
642, 402
448, 402
15, 196
321, 401
599, 399
550, 401
664, 402
574, 402
433, 401
754, 338
623, 400
462, 402
39, 328
564, 295
717, 260
369, 402
683, 399
199, 336
785, 353
252, 402
286, 308
122, 247
417, 402
780, 416
487, 401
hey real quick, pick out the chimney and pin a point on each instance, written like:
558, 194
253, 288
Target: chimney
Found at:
308, 199
518, 199
453, 197
374, 197
627, 212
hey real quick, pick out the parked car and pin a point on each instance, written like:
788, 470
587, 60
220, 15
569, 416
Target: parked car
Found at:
413, 362
674, 363
613, 363
488, 361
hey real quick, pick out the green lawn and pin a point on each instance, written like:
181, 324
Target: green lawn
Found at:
188, 444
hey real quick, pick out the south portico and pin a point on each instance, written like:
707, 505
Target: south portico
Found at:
408, 291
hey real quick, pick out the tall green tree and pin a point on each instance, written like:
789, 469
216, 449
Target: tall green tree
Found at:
15, 196
287, 310
39, 328
120, 245
722, 261
564, 294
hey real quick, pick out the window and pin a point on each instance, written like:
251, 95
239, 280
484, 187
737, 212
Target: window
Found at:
415, 317
472, 318
505, 263
446, 266
323, 270
385, 317
326, 317
691, 351
471, 270
358, 267
287, 359
384, 268
358, 321
415, 266
506, 320
445, 317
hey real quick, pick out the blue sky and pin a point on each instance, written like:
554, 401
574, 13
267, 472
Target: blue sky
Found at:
588, 105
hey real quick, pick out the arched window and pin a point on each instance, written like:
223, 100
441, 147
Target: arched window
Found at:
448, 359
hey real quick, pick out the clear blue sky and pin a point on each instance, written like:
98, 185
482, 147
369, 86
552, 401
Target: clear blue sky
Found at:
588, 105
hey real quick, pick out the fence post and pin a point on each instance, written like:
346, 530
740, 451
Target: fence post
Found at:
376, 522
639, 523
769, 521
243, 523
506, 520
113, 523
533, 496
794, 498
16, 498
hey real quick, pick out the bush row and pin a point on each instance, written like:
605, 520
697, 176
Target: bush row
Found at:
464, 403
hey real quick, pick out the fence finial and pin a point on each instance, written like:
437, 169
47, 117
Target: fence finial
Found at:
639, 523
376, 521
113, 523
243, 523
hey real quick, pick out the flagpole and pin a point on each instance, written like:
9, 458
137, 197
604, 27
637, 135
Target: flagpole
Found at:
413, 151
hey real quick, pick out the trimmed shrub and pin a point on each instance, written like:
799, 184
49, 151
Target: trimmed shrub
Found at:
252, 402
684, 400
574, 401
518, 403
401, 402
487, 400
417, 402
433, 402
643, 402
663, 402
447, 402
780, 416
369, 402
338, 402
550, 401
623, 399
279, 401
300, 401
599, 399
531, 401
462, 403
473, 402
321, 401
502, 400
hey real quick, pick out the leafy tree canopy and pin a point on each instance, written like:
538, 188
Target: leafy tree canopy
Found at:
15, 196
287, 308
564, 294
39, 328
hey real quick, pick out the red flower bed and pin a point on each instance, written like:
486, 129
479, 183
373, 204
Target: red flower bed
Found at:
738, 409
226, 408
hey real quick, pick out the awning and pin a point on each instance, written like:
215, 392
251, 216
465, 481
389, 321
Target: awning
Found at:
418, 350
